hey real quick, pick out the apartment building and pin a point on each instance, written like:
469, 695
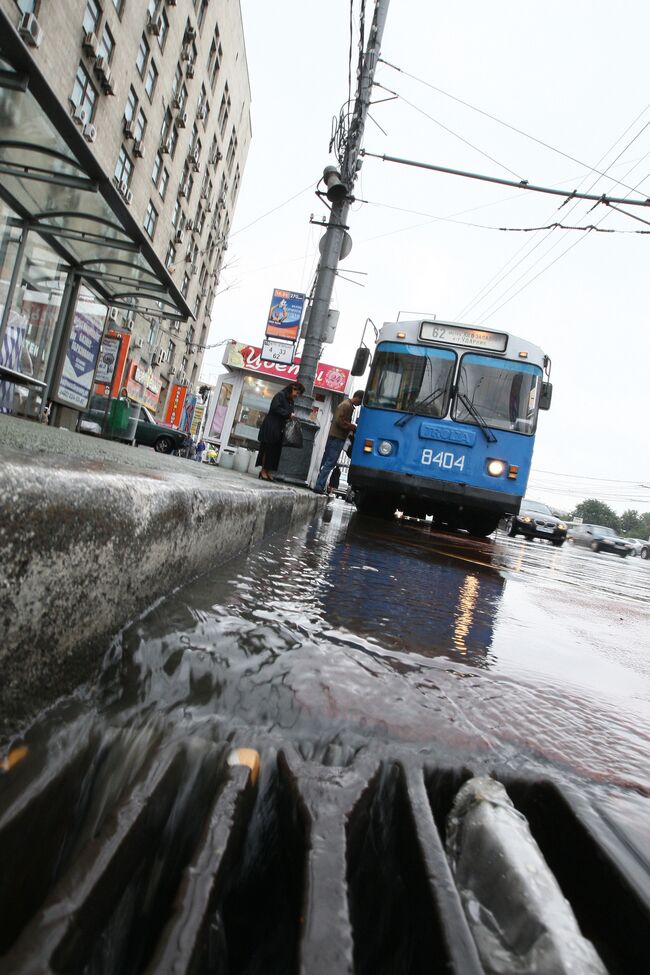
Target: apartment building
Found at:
124, 131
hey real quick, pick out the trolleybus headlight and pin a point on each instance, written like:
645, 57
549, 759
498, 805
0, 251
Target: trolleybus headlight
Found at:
385, 448
496, 467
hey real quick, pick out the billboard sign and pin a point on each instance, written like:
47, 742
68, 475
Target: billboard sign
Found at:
76, 382
284, 315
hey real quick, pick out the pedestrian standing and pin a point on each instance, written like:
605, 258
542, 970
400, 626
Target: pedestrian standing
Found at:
340, 428
334, 481
200, 450
270, 434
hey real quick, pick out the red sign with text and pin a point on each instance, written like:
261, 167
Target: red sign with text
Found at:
240, 356
175, 405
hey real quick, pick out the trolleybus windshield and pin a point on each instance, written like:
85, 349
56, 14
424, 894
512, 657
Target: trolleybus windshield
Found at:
504, 393
411, 378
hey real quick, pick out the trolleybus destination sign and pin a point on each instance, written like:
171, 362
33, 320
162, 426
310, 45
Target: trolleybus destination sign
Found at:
475, 338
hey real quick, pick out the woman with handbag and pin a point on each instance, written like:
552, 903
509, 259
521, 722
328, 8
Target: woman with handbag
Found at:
272, 429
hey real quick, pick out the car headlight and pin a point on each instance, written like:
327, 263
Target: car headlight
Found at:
385, 448
561, 526
496, 467
526, 519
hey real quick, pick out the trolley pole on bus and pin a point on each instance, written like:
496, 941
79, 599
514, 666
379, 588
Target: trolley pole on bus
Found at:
339, 186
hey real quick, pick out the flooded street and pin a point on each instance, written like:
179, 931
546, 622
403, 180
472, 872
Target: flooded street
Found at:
356, 630
373, 667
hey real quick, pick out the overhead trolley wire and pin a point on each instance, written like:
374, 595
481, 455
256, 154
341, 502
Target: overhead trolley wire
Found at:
507, 125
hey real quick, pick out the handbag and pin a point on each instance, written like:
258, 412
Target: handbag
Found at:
292, 434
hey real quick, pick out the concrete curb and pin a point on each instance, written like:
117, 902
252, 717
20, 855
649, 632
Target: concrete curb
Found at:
87, 545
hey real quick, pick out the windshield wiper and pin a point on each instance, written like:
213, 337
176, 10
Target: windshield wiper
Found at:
471, 409
431, 398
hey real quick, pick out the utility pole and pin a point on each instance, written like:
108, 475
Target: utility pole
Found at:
339, 185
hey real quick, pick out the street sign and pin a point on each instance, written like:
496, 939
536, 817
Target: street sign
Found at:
275, 351
330, 329
284, 315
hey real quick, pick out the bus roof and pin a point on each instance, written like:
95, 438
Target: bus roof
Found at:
462, 337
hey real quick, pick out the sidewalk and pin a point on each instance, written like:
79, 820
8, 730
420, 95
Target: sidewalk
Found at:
92, 533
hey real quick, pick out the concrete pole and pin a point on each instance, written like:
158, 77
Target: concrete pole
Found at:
295, 464
337, 224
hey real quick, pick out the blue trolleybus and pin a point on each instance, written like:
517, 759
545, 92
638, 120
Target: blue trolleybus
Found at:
448, 422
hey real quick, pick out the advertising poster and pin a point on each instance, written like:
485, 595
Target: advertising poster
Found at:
284, 315
175, 405
142, 386
187, 413
108, 355
76, 380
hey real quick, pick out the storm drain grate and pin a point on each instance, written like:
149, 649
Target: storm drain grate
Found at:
191, 865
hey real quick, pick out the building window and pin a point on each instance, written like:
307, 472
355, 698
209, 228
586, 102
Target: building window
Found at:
140, 126
177, 81
203, 107
119, 6
170, 256
131, 106
164, 31
157, 169
164, 182
214, 60
84, 94
165, 132
224, 110
176, 213
203, 9
150, 219
232, 150
106, 45
92, 15
235, 184
26, 6
186, 285
123, 167
151, 79
142, 56
173, 141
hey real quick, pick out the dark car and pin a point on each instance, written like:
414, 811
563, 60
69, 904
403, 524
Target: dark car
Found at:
599, 539
536, 520
148, 432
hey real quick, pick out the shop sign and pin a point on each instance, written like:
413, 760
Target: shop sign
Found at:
76, 380
241, 356
175, 405
197, 417
284, 315
142, 387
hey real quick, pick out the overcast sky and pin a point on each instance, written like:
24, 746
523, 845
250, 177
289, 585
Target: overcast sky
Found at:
573, 76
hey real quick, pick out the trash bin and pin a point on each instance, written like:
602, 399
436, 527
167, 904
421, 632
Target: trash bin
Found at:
118, 418
132, 425
241, 460
227, 458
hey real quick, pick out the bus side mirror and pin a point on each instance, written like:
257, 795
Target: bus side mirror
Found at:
546, 396
361, 360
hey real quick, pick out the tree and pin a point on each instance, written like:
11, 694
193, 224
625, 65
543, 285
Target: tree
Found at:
596, 512
631, 522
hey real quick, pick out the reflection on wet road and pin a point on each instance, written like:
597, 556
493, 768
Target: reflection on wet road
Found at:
353, 630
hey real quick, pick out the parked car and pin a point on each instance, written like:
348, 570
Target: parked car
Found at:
536, 520
640, 546
149, 433
600, 539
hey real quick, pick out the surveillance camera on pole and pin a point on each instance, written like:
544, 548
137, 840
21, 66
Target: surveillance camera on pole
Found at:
336, 190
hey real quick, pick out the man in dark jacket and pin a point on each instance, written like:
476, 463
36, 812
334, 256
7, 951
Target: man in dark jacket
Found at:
270, 434
340, 428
